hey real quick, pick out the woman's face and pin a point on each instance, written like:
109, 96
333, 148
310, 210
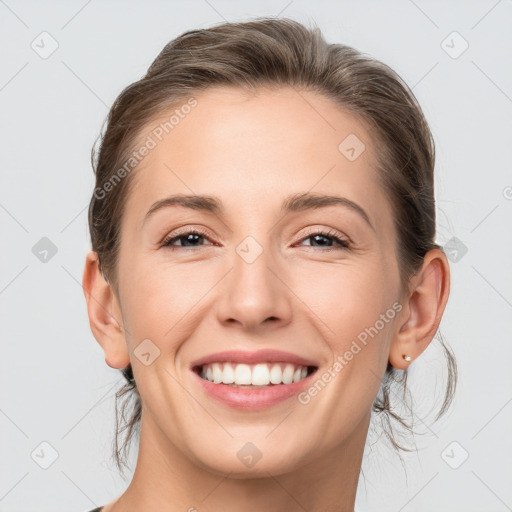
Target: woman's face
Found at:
258, 277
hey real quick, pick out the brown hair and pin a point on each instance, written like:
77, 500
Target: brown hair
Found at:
278, 52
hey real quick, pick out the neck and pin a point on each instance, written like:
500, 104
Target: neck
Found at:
166, 479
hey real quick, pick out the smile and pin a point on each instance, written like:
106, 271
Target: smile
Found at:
253, 375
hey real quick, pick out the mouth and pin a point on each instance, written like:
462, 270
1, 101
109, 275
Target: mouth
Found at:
253, 381
254, 376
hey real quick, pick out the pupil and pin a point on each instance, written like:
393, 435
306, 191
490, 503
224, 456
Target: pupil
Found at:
189, 237
316, 237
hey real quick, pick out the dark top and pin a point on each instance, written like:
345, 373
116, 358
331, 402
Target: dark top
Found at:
99, 509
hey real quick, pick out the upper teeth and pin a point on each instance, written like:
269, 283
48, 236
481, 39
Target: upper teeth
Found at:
261, 374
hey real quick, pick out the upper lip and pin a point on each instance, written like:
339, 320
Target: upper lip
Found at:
259, 356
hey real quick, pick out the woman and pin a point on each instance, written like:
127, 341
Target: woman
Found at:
263, 265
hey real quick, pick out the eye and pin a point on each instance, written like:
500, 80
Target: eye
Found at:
319, 235
189, 237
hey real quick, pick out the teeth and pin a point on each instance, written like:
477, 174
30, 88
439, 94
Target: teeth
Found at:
276, 374
242, 374
261, 374
228, 374
217, 373
288, 374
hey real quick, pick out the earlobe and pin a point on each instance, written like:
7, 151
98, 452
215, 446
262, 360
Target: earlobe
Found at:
104, 314
422, 313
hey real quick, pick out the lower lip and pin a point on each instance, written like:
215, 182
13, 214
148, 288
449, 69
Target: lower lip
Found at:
257, 398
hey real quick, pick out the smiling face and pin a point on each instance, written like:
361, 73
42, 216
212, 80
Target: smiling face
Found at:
259, 275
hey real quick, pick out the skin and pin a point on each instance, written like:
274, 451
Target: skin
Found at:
252, 151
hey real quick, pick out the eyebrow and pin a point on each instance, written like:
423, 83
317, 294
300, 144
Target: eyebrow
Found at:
293, 203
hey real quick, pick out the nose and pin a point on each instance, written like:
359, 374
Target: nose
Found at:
255, 295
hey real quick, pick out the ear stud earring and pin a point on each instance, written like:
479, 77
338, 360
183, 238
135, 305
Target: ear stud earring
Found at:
407, 358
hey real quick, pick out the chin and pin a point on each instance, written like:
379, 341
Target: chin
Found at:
248, 461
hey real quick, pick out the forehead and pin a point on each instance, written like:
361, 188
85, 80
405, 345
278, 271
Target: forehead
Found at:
253, 148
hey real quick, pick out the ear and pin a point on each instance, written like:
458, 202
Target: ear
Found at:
423, 308
104, 313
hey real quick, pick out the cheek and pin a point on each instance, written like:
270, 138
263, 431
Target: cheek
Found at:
160, 304
345, 298
353, 311
347, 303
160, 298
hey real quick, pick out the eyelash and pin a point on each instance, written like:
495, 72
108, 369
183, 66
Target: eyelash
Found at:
344, 244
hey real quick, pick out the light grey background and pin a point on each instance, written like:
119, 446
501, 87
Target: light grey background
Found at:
55, 385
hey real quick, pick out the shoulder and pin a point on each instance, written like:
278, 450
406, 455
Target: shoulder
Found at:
97, 509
